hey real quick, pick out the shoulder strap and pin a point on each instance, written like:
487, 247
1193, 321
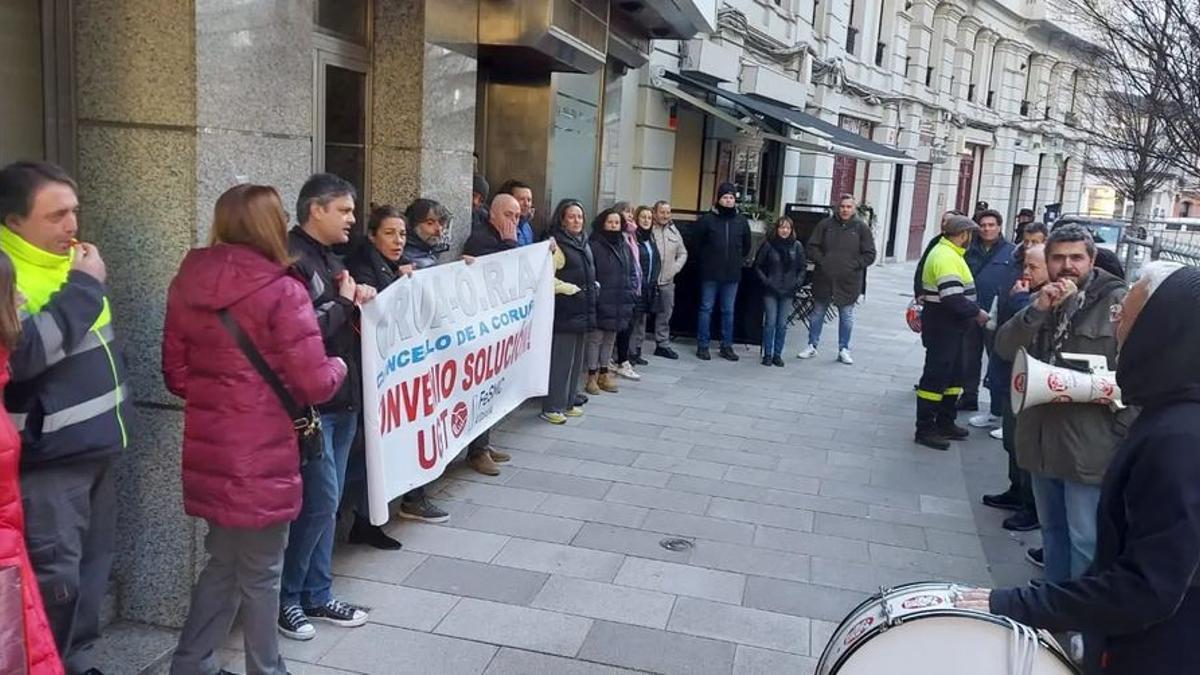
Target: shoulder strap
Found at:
260, 364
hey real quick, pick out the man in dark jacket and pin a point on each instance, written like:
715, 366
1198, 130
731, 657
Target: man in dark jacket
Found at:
1019, 495
843, 247
325, 211
427, 220
69, 401
479, 194
1138, 605
523, 193
1066, 447
499, 235
723, 238
990, 258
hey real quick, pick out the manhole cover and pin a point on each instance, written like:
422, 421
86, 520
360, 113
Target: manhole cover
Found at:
675, 544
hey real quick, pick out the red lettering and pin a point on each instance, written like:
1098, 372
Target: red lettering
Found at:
389, 410
426, 460
468, 362
427, 394
410, 391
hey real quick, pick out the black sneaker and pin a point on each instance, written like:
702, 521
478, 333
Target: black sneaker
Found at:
1006, 500
423, 510
666, 352
766, 360
338, 613
728, 354
1034, 556
363, 532
581, 399
294, 624
1024, 520
637, 360
777, 361
703, 355
931, 439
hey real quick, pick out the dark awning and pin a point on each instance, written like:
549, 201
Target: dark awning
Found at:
831, 138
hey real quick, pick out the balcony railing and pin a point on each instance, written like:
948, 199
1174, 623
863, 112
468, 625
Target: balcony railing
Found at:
929, 76
1024, 108
990, 98
851, 39
971, 92
880, 51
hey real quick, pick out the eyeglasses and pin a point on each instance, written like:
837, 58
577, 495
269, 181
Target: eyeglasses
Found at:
1116, 312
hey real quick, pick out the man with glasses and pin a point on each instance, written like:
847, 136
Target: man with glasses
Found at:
1066, 447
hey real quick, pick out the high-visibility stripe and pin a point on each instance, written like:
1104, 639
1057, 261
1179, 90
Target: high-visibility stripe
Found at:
18, 420
954, 391
929, 395
83, 412
51, 337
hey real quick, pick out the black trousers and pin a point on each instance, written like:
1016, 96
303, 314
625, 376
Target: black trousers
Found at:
942, 378
973, 350
1018, 478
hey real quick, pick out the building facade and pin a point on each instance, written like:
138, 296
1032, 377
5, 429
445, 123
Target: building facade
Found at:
977, 101
158, 107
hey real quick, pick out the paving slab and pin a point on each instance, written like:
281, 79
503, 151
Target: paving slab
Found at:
656, 651
522, 627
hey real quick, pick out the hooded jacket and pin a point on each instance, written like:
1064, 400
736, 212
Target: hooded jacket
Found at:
26, 641
842, 252
422, 254
574, 269
368, 266
1069, 441
618, 286
241, 461
1139, 603
780, 265
723, 239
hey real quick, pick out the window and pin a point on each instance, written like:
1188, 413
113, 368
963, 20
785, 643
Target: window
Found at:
36, 117
340, 95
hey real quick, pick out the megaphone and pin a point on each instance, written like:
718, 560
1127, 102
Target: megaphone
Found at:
1035, 382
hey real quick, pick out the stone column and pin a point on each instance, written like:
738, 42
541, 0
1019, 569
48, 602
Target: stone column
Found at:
1040, 67
1061, 76
945, 29
964, 53
1011, 62
920, 39
985, 47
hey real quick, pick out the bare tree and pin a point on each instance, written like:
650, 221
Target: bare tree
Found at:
1152, 55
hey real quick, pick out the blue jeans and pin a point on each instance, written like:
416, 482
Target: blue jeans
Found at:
816, 322
775, 313
708, 298
308, 561
1067, 512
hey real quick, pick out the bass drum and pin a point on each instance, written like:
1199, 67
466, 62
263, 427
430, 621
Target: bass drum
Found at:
915, 629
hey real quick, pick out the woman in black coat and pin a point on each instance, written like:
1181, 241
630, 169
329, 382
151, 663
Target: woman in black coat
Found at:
1138, 606
780, 266
615, 300
379, 261
575, 294
650, 261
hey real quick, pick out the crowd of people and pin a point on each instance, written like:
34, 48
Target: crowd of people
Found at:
1111, 486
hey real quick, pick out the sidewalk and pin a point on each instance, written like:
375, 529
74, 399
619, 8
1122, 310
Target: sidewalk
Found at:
798, 488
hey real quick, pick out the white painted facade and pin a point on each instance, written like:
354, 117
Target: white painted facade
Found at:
991, 79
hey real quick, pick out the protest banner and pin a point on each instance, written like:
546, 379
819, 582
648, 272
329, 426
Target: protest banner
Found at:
446, 353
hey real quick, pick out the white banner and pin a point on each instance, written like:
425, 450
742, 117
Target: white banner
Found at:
446, 354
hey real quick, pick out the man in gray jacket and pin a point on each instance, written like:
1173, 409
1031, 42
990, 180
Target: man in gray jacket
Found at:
1066, 447
674, 256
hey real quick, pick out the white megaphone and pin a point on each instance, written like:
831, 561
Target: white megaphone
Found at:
1035, 383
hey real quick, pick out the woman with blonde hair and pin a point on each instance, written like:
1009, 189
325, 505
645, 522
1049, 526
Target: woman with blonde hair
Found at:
232, 303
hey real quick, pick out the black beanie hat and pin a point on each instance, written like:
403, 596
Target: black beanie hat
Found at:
726, 189
480, 186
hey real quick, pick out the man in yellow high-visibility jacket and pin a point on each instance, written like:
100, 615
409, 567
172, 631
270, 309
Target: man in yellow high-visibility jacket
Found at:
68, 399
948, 295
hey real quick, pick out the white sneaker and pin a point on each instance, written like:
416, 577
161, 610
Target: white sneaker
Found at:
626, 371
997, 433
844, 357
984, 421
808, 352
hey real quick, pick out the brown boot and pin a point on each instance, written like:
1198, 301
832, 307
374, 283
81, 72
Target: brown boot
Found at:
498, 456
607, 382
482, 462
592, 387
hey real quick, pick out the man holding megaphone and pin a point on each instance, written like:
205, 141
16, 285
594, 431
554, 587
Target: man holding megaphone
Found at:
1065, 445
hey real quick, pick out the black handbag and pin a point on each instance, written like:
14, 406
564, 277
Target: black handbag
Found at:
305, 420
